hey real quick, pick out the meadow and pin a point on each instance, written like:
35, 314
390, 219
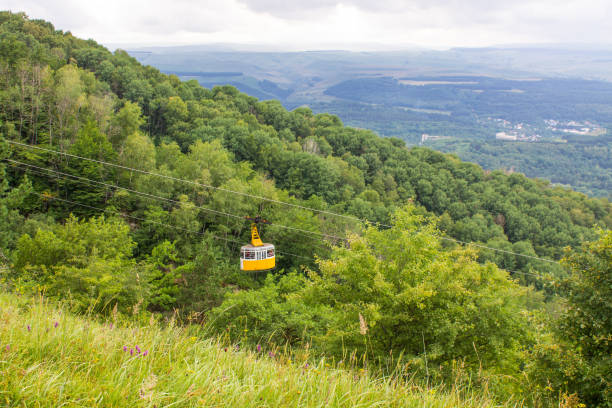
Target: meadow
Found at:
50, 358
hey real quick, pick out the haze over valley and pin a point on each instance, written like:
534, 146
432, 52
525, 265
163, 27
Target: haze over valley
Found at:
499, 106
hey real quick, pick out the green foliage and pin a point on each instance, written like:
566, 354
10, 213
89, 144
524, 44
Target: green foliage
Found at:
587, 321
394, 294
207, 278
583, 166
125, 123
163, 278
273, 314
84, 262
12, 200
575, 356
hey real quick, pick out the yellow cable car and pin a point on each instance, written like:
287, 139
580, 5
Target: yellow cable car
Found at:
257, 256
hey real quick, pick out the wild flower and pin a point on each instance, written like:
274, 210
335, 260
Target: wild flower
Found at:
8, 347
271, 354
124, 348
137, 349
131, 352
55, 324
145, 353
237, 347
259, 348
29, 328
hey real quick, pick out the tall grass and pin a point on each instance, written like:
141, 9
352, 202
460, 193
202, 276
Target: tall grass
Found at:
51, 358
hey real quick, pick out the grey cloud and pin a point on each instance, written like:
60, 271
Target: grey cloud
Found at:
298, 8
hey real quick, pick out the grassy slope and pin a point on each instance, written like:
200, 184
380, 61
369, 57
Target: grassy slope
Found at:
81, 362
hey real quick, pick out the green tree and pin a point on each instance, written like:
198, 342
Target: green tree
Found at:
92, 144
163, 278
124, 123
394, 293
85, 262
573, 354
586, 323
11, 201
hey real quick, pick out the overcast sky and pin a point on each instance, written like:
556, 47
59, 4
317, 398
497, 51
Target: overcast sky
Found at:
328, 24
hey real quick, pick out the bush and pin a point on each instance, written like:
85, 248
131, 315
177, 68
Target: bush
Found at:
85, 262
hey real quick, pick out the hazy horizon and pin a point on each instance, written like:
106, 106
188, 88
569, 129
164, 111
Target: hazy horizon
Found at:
352, 25
356, 48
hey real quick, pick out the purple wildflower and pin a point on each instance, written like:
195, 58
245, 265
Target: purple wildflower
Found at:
29, 328
237, 347
137, 349
131, 352
271, 354
306, 365
145, 353
258, 348
8, 347
56, 324
124, 348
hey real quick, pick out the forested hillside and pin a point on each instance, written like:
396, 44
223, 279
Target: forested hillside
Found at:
126, 189
551, 99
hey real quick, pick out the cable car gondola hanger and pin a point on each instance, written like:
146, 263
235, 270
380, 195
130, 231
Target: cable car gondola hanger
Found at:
257, 256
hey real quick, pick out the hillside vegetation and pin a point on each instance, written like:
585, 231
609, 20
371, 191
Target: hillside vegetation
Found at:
50, 358
123, 191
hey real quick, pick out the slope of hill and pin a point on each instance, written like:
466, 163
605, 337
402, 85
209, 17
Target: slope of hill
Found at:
50, 358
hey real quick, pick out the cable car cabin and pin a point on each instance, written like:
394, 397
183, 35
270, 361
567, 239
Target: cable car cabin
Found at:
257, 256
261, 258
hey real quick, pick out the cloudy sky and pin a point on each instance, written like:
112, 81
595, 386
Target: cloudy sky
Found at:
328, 24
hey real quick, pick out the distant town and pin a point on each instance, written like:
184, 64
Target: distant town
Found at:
553, 130
530, 133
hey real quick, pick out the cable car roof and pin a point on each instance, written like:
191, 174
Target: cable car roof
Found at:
250, 246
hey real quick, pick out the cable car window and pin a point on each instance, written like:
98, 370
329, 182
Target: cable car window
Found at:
249, 254
270, 252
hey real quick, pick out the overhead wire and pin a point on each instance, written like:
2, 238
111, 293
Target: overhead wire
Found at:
53, 198
89, 181
274, 201
153, 196
150, 221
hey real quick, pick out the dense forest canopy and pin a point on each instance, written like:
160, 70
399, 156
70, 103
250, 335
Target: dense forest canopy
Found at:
126, 188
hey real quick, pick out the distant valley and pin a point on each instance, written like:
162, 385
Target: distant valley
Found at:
545, 112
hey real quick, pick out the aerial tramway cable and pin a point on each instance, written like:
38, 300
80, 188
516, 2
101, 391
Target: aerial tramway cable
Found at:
64, 176
105, 210
273, 201
153, 196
